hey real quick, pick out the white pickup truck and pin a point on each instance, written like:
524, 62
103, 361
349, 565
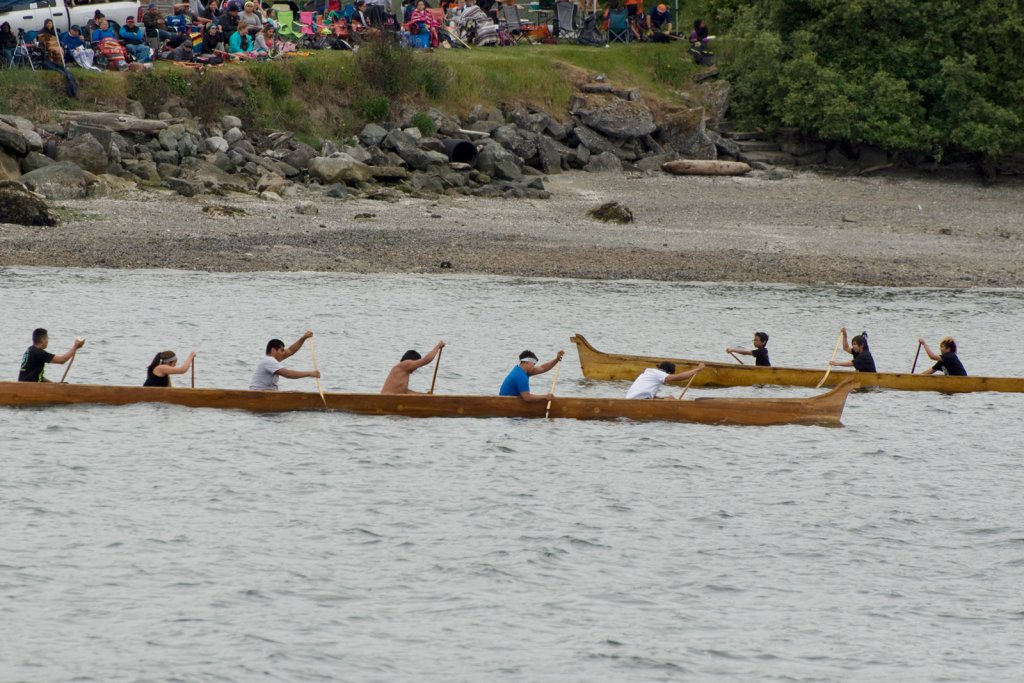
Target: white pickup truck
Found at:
30, 14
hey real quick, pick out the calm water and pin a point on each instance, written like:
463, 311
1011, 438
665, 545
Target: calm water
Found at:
163, 543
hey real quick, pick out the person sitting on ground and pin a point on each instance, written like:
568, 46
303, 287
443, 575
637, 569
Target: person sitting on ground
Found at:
470, 13
858, 348
652, 380
270, 18
270, 369
103, 32
213, 40
241, 46
517, 382
155, 24
263, 42
93, 25
8, 41
209, 14
760, 352
659, 23
74, 45
946, 360
134, 39
249, 21
422, 16
699, 38
229, 20
163, 365
33, 362
49, 42
182, 52
398, 379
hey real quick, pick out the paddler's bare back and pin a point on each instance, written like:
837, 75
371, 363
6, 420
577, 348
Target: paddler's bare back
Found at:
398, 379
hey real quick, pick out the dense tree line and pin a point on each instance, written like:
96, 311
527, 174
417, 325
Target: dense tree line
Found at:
941, 77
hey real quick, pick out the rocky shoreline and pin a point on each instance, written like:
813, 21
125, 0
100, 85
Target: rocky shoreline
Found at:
809, 229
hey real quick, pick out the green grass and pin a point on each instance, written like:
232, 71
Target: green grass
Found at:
332, 94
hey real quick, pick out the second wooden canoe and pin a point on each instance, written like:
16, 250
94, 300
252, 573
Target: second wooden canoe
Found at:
609, 366
826, 408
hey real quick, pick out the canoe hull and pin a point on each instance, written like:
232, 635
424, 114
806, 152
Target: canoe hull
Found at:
607, 366
821, 409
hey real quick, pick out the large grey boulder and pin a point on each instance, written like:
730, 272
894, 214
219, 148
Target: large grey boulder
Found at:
684, 132
549, 155
212, 178
339, 169
498, 162
372, 135
62, 180
715, 97
34, 160
521, 143
605, 162
19, 205
594, 141
10, 169
85, 151
614, 116
13, 140
216, 144
399, 142
299, 155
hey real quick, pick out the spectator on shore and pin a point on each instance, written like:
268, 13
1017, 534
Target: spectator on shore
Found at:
75, 46
135, 41
155, 23
209, 15
47, 39
659, 23
179, 21
8, 41
249, 21
93, 25
699, 38
213, 40
229, 20
103, 32
240, 46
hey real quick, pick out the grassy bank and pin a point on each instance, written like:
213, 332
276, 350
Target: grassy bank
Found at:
331, 94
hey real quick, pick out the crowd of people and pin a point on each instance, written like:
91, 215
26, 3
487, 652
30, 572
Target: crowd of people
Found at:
233, 30
271, 367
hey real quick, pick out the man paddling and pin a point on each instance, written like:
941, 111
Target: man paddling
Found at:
398, 379
517, 383
33, 363
653, 379
270, 369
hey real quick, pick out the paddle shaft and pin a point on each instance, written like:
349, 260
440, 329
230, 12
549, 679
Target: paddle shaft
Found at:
839, 340
437, 364
193, 372
738, 359
692, 377
68, 368
312, 351
916, 355
554, 383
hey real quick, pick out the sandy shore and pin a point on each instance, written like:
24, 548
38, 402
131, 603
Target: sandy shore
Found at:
809, 229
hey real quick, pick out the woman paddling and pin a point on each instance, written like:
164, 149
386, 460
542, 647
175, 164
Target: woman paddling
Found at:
163, 365
946, 360
858, 348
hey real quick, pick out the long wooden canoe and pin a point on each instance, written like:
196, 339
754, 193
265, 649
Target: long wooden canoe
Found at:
821, 409
609, 366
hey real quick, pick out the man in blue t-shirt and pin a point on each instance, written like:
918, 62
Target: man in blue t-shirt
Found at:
517, 383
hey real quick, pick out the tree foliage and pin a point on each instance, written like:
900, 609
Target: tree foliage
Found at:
933, 76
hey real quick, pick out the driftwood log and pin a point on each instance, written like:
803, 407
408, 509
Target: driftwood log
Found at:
703, 167
113, 121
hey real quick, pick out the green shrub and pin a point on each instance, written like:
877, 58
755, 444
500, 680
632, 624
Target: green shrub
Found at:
374, 108
424, 123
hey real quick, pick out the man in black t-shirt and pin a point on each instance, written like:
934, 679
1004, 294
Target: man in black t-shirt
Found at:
33, 363
760, 352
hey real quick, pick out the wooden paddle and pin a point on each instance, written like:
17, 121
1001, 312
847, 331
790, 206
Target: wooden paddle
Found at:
312, 350
692, 377
839, 340
916, 355
193, 372
554, 383
738, 359
437, 364
70, 363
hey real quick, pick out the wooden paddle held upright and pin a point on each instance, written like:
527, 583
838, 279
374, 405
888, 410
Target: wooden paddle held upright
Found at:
70, 363
916, 355
554, 383
692, 377
193, 372
839, 340
437, 364
312, 351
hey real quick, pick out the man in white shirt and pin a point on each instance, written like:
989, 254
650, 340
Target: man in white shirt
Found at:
270, 369
652, 379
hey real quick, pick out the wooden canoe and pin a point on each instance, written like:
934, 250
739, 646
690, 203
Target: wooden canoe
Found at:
608, 366
821, 409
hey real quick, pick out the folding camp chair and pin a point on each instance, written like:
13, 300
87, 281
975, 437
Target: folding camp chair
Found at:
619, 30
287, 26
567, 21
513, 25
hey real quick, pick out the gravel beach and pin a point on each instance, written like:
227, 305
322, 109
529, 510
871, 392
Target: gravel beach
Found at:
811, 229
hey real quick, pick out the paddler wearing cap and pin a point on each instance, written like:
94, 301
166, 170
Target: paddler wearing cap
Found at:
165, 364
517, 383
